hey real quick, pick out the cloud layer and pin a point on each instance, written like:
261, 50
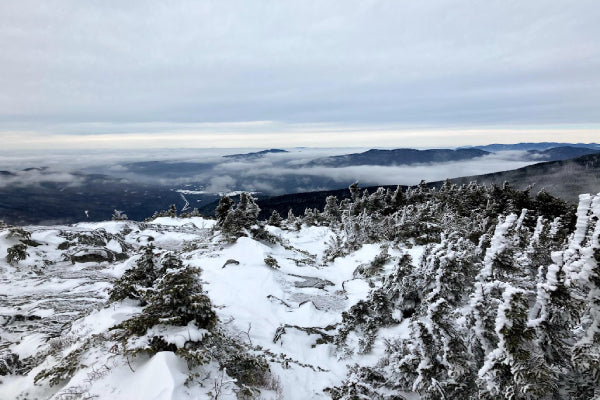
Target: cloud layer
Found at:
83, 68
275, 173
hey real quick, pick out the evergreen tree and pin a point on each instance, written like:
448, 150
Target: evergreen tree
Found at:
176, 298
16, 253
582, 267
179, 299
331, 212
119, 216
138, 280
514, 369
242, 218
398, 199
172, 211
354, 191
554, 317
275, 219
223, 208
433, 361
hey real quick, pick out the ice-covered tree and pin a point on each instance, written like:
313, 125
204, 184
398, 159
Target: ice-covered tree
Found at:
223, 208
137, 280
433, 360
581, 262
275, 219
176, 298
515, 369
242, 218
331, 212
119, 215
16, 253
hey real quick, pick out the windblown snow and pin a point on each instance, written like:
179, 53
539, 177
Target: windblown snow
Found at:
50, 302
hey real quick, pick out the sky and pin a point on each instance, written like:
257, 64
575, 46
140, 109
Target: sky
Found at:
232, 73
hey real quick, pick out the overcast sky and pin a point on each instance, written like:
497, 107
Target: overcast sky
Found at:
226, 73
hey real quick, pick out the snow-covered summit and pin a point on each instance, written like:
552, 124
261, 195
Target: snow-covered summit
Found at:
419, 294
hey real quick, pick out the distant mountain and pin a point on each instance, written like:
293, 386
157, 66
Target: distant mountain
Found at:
531, 146
40, 195
565, 179
254, 155
168, 169
399, 157
561, 153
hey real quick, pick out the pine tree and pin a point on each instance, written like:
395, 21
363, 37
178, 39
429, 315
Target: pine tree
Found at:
554, 317
331, 212
514, 369
398, 198
223, 208
136, 281
119, 216
582, 267
242, 218
179, 299
275, 219
176, 298
16, 253
433, 361
354, 191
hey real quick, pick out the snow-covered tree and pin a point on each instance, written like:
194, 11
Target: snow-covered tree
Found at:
433, 360
137, 280
275, 219
582, 268
223, 208
16, 253
331, 212
240, 219
515, 368
119, 215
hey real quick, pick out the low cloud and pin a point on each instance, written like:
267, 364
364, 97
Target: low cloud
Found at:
385, 175
223, 183
34, 177
275, 173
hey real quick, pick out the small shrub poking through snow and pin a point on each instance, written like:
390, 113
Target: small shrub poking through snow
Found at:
136, 281
176, 299
16, 253
271, 262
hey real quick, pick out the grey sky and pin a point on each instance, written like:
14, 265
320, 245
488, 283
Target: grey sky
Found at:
289, 72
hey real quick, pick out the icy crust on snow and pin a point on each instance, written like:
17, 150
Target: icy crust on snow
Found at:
64, 305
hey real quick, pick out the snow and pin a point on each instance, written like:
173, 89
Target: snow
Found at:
185, 191
50, 307
162, 377
198, 222
251, 299
29, 345
177, 335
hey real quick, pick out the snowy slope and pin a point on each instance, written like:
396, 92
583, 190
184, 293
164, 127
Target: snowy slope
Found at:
51, 305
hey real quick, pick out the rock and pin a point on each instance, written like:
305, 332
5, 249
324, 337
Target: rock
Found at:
231, 261
92, 255
312, 282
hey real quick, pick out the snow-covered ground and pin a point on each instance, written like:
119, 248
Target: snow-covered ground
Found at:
53, 302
